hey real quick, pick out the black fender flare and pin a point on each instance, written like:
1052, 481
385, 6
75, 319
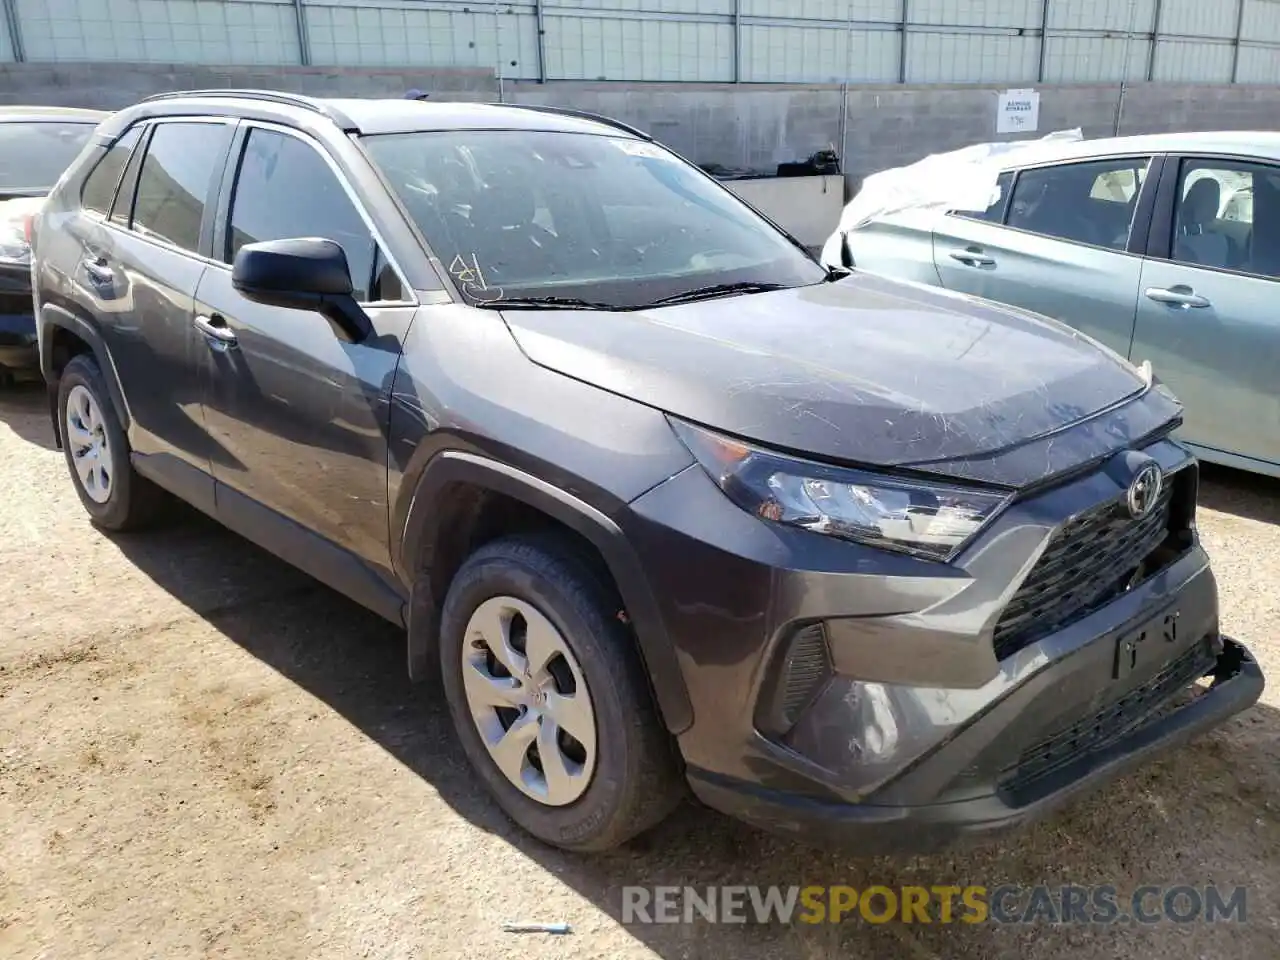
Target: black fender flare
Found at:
423, 524
53, 317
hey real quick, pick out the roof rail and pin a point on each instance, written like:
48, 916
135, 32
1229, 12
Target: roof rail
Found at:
581, 115
270, 96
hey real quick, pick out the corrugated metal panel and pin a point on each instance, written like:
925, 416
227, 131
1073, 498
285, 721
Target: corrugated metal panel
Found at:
1193, 61
1259, 65
1077, 59
1102, 15
971, 58
164, 31
835, 11
591, 48
993, 13
795, 55
723, 7
383, 35
1199, 18
1261, 21
6, 41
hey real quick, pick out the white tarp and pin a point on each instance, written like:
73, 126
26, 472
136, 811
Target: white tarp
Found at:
963, 179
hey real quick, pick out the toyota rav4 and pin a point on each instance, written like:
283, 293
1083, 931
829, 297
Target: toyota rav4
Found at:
660, 501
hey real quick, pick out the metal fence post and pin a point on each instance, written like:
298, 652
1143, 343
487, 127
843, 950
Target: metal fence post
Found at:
737, 41
1044, 38
1155, 43
15, 31
1235, 47
304, 39
542, 41
902, 39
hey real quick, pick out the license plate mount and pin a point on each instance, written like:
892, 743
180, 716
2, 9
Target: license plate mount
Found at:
1154, 641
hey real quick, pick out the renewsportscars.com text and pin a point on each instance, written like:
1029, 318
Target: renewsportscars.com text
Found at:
1005, 904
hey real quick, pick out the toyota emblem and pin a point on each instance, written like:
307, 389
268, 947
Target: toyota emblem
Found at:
1144, 491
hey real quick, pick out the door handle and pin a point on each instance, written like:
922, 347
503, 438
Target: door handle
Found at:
98, 270
215, 328
1179, 296
974, 258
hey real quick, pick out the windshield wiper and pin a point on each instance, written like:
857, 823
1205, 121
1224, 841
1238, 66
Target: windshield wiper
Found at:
545, 303
718, 290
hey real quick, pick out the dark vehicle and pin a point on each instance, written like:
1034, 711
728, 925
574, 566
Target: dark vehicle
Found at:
659, 500
36, 145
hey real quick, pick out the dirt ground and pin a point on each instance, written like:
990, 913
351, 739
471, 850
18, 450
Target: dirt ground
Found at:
204, 753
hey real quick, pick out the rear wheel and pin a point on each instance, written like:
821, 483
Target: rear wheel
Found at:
550, 699
97, 451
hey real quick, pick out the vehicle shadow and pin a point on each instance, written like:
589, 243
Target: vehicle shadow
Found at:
1204, 814
24, 407
1248, 495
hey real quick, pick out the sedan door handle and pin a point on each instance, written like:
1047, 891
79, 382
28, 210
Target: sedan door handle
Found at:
1179, 296
974, 258
215, 328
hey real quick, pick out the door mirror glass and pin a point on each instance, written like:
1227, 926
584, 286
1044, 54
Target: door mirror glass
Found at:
301, 274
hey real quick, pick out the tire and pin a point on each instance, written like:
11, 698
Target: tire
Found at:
123, 500
634, 779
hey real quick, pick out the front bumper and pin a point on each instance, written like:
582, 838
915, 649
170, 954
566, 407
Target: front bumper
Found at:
906, 716
877, 829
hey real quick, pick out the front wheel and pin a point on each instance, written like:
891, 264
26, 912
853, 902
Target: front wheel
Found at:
550, 699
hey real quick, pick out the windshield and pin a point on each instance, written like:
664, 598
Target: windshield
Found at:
33, 154
613, 221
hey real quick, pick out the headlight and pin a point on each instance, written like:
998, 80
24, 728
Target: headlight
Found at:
922, 518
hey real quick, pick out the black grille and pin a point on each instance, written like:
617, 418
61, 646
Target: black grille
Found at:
1112, 722
1090, 560
805, 669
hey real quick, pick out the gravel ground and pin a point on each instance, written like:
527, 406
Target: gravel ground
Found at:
204, 753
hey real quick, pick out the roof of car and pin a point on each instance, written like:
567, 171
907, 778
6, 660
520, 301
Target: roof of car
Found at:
378, 116
18, 113
1264, 144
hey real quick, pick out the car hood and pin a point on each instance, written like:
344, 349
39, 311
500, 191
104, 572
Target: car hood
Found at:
865, 370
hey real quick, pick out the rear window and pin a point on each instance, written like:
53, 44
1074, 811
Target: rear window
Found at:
34, 154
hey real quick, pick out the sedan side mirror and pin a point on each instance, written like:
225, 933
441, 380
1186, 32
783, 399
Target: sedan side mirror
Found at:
302, 274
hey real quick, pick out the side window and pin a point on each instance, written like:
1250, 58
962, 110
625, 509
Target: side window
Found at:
999, 202
1089, 203
285, 189
176, 179
99, 190
1217, 222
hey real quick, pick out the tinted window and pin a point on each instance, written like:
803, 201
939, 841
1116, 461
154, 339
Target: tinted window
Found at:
608, 219
286, 189
999, 202
100, 186
34, 155
175, 180
1089, 203
1228, 217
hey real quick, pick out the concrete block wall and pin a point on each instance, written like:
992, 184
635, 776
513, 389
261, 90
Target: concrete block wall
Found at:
752, 126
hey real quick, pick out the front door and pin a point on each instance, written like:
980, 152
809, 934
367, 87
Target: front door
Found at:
300, 413
1059, 246
1206, 315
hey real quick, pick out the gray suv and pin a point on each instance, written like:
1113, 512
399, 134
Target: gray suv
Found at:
659, 501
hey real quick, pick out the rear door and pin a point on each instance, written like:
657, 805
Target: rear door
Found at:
138, 268
1060, 240
1207, 317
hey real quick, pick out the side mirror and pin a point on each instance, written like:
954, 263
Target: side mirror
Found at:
302, 274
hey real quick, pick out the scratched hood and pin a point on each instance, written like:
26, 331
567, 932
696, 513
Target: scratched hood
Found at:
866, 370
